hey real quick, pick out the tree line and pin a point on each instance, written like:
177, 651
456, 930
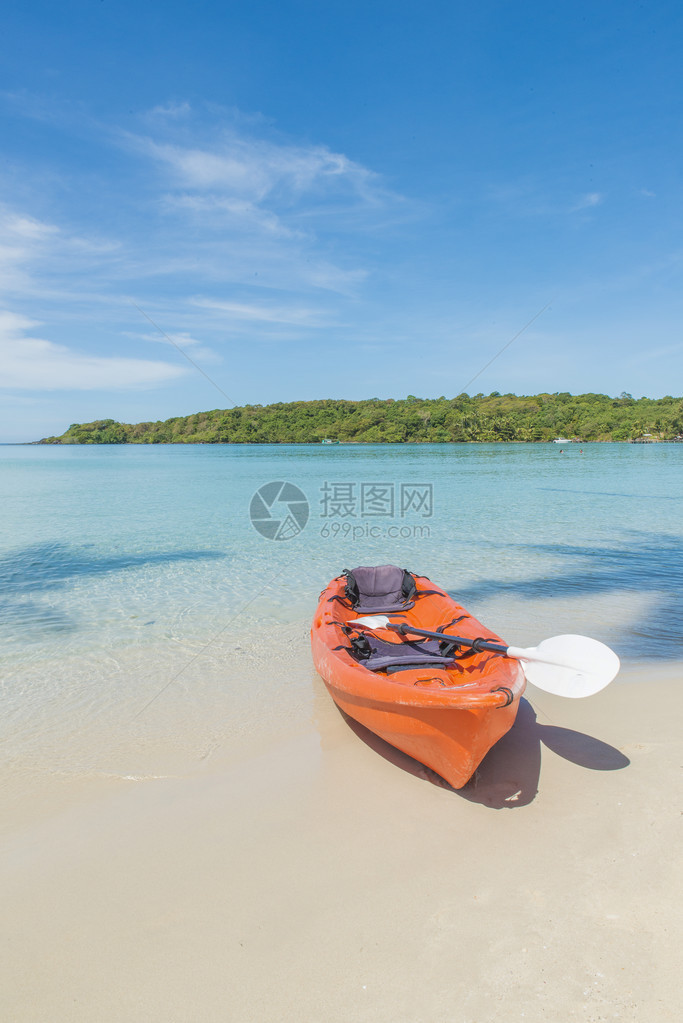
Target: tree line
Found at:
483, 418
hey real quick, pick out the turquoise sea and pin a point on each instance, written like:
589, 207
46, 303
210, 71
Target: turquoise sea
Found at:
146, 623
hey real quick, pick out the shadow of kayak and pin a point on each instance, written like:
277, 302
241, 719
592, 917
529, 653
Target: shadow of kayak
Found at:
508, 776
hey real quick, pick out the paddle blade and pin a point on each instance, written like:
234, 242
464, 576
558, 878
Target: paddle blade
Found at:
573, 666
373, 621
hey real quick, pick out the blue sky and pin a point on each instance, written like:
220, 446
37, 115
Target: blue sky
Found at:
334, 199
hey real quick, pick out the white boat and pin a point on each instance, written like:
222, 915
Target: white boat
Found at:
563, 440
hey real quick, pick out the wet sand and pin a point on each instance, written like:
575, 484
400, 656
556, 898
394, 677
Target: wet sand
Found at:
331, 878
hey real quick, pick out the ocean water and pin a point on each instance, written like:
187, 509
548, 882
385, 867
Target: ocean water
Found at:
146, 621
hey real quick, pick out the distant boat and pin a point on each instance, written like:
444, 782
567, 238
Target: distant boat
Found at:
326, 440
563, 440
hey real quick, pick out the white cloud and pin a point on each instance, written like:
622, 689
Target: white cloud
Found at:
254, 169
213, 204
649, 355
183, 339
587, 201
29, 362
332, 278
23, 228
301, 317
174, 110
242, 215
37, 258
528, 197
256, 188
22, 238
222, 232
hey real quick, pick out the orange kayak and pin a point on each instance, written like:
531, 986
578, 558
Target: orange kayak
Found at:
447, 710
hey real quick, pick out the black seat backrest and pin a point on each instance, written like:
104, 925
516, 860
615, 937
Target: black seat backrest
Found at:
380, 590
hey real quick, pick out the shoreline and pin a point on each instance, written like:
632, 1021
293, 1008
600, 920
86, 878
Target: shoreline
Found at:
327, 876
313, 443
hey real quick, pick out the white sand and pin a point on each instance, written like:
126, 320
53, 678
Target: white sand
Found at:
331, 879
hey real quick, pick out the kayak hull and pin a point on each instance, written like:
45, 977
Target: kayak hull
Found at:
446, 718
451, 742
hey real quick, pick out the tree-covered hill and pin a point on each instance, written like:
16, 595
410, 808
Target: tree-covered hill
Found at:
493, 417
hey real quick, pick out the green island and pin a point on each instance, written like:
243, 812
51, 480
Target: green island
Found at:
483, 418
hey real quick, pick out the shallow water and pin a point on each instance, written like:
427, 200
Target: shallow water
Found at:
144, 620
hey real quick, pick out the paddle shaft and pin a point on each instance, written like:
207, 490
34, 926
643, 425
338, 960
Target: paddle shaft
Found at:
564, 665
482, 644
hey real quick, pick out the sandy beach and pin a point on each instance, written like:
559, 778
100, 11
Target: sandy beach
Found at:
332, 878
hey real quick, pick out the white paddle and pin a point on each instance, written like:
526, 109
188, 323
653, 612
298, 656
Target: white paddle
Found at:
571, 666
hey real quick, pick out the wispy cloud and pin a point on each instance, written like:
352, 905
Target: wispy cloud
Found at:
22, 238
236, 311
240, 215
184, 339
223, 231
23, 228
37, 257
173, 110
588, 201
649, 354
527, 197
28, 362
258, 189
255, 169
181, 340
